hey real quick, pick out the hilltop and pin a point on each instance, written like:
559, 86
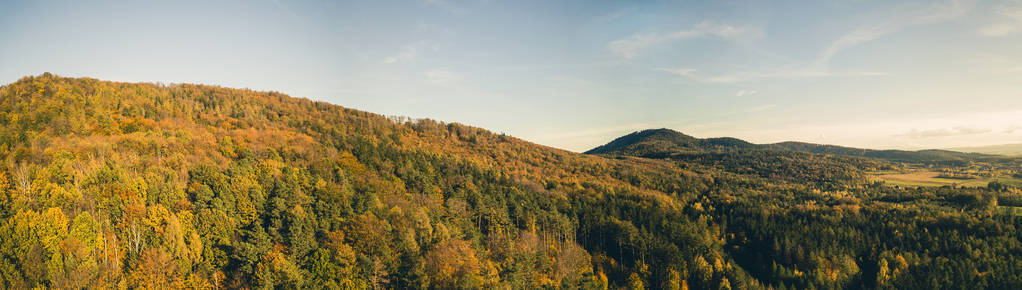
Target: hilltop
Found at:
658, 140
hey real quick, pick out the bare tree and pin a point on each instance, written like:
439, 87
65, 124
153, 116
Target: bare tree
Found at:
23, 178
135, 238
378, 276
80, 168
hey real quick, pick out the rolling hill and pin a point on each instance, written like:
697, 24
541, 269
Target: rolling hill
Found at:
661, 140
657, 140
131, 185
922, 156
1005, 149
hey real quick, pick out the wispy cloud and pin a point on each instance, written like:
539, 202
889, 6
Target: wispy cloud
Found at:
618, 14
997, 65
938, 12
750, 76
409, 52
944, 11
759, 108
999, 29
685, 72
1012, 129
944, 132
857, 36
450, 6
285, 9
743, 93
443, 77
1009, 21
630, 47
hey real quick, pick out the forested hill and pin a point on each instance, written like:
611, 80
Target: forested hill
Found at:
662, 140
922, 156
655, 138
130, 185
659, 140
108, 184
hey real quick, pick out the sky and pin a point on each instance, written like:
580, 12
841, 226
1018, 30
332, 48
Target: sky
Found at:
572, 74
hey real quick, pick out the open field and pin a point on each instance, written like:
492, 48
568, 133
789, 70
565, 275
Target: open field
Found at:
929, 178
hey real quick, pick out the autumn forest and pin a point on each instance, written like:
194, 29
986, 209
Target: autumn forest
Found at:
142, 185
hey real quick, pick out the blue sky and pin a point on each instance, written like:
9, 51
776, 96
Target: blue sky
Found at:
573, 74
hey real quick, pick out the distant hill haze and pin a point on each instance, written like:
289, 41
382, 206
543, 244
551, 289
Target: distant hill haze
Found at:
1004, 149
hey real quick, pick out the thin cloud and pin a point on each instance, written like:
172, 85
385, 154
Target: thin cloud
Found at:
858, 36
447, 5
945, 11
685, 72
743, 93
944, 132
999, 29
630, 47
1012, 129
939, 12
997, 64
750, 76
1009, 21
935, 13
1010, 72
407, 53
443, 77
760, 108
285, 9
614, 15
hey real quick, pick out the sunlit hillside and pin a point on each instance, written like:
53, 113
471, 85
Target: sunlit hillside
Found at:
108, 184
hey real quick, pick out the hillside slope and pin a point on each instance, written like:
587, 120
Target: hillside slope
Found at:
236, 188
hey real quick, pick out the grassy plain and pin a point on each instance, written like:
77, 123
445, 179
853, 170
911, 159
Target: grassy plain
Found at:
929, 178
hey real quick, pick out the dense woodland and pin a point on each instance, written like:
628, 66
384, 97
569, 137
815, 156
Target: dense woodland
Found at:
124, 185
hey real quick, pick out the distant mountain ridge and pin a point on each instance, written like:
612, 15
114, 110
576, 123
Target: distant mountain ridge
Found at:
894, 155
661, 140
1003, 149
